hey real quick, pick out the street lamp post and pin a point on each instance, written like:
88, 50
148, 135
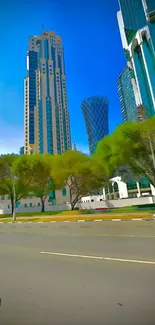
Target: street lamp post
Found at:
14, 198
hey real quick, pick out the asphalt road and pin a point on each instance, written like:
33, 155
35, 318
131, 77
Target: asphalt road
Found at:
73, 289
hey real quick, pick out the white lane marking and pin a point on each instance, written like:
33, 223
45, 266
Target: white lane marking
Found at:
100, 258
137, 219
97, 220
128, 261
116, 219
81, 220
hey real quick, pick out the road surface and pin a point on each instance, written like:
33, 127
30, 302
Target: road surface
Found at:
102, 273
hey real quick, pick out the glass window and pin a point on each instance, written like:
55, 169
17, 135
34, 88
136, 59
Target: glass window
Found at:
25, 205
64, 192
30, 205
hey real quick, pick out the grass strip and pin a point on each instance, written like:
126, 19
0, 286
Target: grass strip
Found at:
76, 218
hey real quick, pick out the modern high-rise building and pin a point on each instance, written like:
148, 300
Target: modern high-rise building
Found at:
136, 20
126, 96
95, 111
46, 117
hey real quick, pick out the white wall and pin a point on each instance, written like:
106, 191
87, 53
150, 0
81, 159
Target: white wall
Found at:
48, 207
115, 203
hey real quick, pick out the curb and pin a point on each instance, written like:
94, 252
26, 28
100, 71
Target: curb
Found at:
79, 220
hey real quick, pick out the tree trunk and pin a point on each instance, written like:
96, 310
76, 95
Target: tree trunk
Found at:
72, 206
42, 205
73, 203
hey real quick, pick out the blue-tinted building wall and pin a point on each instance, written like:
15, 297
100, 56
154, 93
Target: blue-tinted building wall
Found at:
137, 28
150, 6
126, 96
33, 65
21, 150
95, 111
133, 14
142, 78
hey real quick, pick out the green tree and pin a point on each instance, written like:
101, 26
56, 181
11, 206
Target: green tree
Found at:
76, 171
36, 169
131, 148
10, 183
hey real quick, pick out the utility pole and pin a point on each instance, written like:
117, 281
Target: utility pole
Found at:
14, 198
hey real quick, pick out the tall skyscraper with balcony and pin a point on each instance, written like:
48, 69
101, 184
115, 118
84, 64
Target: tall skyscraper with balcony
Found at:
126, 96
136, 20
95, 111
46, 117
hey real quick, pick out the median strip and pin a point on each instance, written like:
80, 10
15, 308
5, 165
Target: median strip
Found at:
79, 218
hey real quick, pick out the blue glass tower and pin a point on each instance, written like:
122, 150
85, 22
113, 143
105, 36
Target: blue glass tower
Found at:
95, 111
126, 96
136, 20
46, 117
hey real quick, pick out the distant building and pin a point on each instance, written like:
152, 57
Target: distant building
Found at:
46, 117
95, 111
136, 20
126, 96
74, 146
21, 151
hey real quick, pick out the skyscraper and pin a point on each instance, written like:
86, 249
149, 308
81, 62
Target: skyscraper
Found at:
46, 117
126, 96
136, 20
95, 111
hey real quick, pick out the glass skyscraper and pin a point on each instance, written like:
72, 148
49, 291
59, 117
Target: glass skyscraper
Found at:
46, 117
95, 111
126, 96
136, 20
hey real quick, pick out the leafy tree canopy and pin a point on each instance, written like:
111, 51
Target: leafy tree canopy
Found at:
36, 170
131, 145
76, 170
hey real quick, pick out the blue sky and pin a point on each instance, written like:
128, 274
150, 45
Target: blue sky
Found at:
93, 58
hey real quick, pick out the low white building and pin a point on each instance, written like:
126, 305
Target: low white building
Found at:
120, 190
57, 200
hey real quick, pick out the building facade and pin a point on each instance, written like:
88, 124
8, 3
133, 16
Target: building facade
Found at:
126, 96
46, 117
119, 189
136, 20
56, 200
95, 111
21, 150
